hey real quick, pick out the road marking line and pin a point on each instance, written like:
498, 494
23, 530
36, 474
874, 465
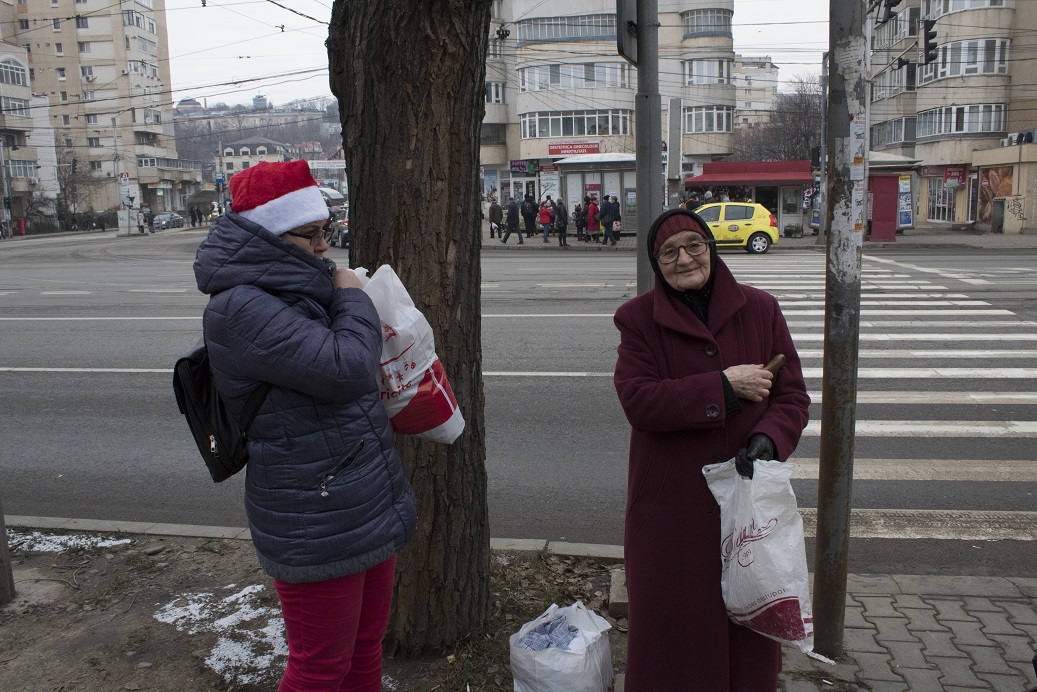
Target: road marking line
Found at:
934, 428
928, 324
158, 290
902, 353
919, 524
927, 303
65, 293
867, 336
962, 398
1000, 471
92, 319
935, 373
908, 313
163, 371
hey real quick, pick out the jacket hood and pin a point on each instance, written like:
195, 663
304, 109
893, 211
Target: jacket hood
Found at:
654, 231
239, 252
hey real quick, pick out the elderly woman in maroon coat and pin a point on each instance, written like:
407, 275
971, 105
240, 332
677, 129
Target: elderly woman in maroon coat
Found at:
691, 380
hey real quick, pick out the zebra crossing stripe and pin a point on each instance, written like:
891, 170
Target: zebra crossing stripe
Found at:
935, 428
920, 524
969, 470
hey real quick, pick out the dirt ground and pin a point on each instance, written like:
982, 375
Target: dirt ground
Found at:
194, 614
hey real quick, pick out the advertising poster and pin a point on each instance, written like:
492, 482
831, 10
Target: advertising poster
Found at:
905, 203
993, 182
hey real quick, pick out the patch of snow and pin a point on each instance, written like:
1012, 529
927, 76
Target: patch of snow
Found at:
251, 637
36, 542
389, 684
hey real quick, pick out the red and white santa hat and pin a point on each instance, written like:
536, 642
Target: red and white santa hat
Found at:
279, 196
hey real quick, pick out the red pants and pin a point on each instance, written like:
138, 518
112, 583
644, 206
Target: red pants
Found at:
334, 630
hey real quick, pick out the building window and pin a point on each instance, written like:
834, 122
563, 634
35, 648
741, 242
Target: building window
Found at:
95, 165
711, 22
59, 49
575, 123
245, 151
260, 151
931, 9
495, 49
587, 26
893, 82
84, 46
68, 141
12, 72
66, 120
86, 72
244, 165
493, 134
494, 92
152, 116
91, 119
895, 131
56, 23
962, 58
61, 74
63, 96
707, 71
147, 162
131, 18
708, 119
89, 95
146, 46
23, 24
950, 120
230, 166
21, 169
903, 25
93, 141
575, 76
11, 106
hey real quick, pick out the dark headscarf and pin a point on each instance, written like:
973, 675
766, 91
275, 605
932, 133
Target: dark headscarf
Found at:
676, 221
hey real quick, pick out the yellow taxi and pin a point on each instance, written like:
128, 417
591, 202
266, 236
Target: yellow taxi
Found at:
741, 224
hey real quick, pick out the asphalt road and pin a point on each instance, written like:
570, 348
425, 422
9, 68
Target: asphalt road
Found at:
105, 440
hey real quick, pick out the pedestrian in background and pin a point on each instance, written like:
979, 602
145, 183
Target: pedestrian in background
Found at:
150, 218
579, 219
496, 218
691, 381
194, 217
529, 215
593, 225
140, 222
511, 210
326, 495
561, 222
546, 216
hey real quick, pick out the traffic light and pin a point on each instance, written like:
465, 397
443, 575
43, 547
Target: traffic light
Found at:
74, 162
887, 10
7, 203
929, 50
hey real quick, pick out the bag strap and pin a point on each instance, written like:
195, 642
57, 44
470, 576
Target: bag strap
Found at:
252, 405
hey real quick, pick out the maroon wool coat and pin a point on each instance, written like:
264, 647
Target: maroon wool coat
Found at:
669, 384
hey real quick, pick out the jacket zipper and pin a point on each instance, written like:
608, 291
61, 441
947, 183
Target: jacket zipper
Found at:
328, 476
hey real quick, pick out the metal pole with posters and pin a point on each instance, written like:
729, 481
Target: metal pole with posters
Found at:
845, 198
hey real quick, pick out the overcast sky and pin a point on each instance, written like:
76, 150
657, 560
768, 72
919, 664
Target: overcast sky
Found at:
231, 40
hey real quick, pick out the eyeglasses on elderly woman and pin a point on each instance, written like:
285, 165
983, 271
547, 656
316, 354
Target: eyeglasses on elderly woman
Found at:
326, 233
694, 249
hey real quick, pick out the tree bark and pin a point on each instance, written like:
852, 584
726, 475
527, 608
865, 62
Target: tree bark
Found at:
6, 568
409, 80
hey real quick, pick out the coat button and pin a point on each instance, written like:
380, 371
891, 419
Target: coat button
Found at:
712, 411
711, 350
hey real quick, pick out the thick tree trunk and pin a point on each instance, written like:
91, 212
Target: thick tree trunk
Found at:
409, 79
6, 568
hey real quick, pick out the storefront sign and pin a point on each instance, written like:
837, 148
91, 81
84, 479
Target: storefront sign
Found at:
953, 176
549, 169
573, 148
519, 167
930, 171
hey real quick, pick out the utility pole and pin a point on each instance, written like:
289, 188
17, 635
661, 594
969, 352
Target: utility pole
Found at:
637, 38
845, 199
6, 568
822, 231
7, 190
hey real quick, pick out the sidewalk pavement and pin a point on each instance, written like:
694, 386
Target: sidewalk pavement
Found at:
901, 632
922, 237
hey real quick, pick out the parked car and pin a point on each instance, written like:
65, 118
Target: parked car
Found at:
169, 219
338, 209
741, 224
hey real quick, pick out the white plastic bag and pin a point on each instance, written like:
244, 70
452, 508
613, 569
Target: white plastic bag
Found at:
414, 387
563, 650
764, 580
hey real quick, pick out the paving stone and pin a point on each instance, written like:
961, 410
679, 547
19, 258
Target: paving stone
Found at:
988, 660
1003, 683
858, 584
990, 587
957, 672
885, 686
922, 620
875, 667
939, 644
974, 604
1020, 613
1026, 669
949, 610
855, 640
969, 634
907, 655
878, 607
1027, 585
854, 618
892, 630
910, 601
985, 688
1018, 649
996, 623
922, 679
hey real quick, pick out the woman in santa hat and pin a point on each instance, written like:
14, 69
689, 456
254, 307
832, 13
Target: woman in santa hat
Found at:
328, 502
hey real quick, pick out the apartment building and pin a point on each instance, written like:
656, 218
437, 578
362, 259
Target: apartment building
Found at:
560, 101
103, 69
756, 89
957, 124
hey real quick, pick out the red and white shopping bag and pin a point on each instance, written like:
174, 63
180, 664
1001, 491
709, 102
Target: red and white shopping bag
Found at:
414, 387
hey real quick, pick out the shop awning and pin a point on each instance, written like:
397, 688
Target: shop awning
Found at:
753, 173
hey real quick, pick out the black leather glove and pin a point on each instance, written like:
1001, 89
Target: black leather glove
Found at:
760, 447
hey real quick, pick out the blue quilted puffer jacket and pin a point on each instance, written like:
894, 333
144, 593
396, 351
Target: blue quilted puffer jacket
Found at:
325, 489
